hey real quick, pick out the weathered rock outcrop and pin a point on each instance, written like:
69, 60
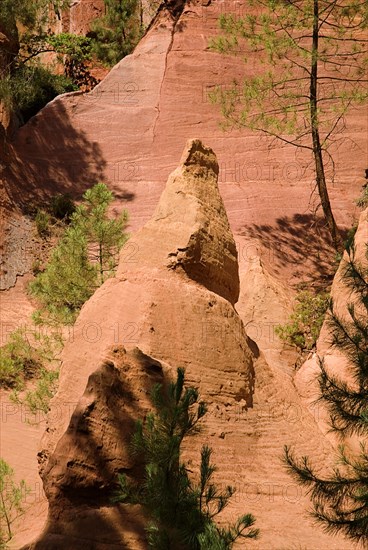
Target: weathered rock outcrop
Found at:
170, 305
174, 300
264, 303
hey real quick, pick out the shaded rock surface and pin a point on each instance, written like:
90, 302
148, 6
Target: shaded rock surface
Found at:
82, 472
153, 317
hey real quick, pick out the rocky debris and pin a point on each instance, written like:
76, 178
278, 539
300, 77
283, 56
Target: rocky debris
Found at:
17, 241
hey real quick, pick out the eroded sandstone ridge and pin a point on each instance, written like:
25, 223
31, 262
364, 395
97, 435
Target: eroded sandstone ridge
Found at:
170, 305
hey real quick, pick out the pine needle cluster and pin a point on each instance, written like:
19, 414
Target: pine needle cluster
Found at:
86, 255
341, 499
181, 512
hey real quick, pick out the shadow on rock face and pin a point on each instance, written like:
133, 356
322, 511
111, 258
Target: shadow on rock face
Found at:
56, 159
300, 241
80, 477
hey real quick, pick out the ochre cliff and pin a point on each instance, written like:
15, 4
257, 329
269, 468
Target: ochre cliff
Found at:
171, 305
173, 297
130, 130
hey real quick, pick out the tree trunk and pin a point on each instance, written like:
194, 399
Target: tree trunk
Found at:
101, 261
317, 151
5, 513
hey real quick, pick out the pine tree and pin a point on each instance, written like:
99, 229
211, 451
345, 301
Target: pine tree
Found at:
312, 63
181, 512
341, 499
86, 255
117, 32
11, 496
105, 235
68, 280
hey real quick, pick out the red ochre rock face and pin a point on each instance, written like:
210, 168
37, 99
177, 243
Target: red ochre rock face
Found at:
162, 311
130, 131
177, 308
77, 18
173, 307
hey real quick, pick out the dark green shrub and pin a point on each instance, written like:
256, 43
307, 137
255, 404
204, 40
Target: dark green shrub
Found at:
115, 34
30, 87
62, 207
42, 220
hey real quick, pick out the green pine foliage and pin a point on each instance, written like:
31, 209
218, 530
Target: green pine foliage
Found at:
32, 14
62, 207
341, 499
306, 321
77, 47
25, 356
181, 512
68, 280
39, 398
24, 11
12, 496
53, 217
19, 360
105, 235
27, 85
362, 201
277, 101
302, 87
116, 33
42, 220
85, 256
